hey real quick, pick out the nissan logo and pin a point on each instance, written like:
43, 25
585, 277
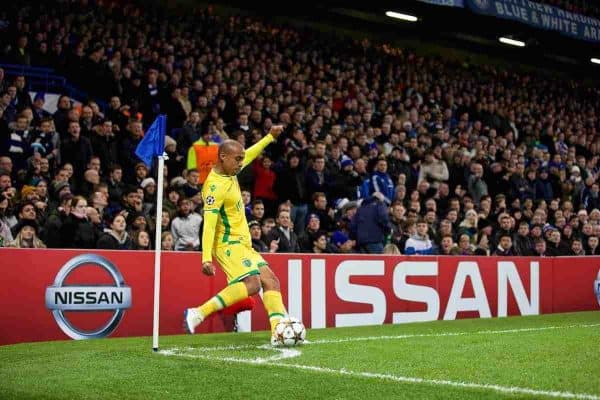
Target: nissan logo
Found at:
88, 298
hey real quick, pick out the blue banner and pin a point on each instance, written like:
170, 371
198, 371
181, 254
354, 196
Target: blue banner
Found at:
447, 3
541, 16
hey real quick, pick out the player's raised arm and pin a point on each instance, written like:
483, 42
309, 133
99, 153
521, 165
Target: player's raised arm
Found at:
213, 200
253, 151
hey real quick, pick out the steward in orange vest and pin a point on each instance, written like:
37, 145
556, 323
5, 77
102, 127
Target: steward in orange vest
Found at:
202, 155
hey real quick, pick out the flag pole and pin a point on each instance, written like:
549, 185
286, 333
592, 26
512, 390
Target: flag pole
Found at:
153, 145
157, 251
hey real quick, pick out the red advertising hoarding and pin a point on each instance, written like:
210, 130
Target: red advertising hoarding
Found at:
322, 290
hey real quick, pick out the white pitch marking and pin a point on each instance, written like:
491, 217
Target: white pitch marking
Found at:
488, 332
286, 353
439, 382
190, 352
223, 348
290, 353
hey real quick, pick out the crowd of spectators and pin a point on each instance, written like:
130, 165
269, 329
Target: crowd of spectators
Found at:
383, 150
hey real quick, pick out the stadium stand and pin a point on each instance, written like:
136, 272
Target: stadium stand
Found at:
493, 161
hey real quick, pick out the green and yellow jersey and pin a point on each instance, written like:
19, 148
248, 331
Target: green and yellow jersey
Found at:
224, 215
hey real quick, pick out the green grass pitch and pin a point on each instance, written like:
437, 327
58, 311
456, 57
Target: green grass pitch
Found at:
550, 356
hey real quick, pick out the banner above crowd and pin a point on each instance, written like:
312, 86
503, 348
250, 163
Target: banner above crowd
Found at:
447, 3
541, 16
535, 14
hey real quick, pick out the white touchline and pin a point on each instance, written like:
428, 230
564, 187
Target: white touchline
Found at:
400, 337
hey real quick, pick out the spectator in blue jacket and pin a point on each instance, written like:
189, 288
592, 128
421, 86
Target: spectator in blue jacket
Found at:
371, 225
590, 198
43, 139
365, 189
419, 243
382, 182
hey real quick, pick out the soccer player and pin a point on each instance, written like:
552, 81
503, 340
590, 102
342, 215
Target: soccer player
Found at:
226, 233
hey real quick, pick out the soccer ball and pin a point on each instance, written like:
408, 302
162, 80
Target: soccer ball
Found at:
289, 331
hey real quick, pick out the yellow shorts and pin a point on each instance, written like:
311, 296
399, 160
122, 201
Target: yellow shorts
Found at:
238, 261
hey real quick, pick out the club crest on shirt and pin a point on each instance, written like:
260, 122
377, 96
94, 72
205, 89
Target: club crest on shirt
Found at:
247, 263
212, 188
210, 200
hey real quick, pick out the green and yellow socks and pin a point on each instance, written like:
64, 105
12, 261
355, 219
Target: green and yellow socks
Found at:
226, 297
274, 306
237, 292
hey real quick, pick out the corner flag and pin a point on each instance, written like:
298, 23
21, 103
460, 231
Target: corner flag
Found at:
153, 143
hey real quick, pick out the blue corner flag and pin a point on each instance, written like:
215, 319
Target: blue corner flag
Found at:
153, 143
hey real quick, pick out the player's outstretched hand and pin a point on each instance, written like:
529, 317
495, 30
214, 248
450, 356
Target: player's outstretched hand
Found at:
208, 268
276, 130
